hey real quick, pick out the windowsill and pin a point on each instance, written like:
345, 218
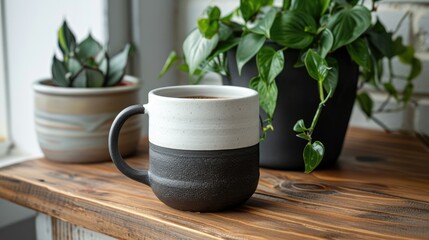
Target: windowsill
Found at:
16, 156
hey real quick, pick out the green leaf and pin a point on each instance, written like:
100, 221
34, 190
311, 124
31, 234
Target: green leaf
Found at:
299, 126
381, 40
313, 155
286, 4
408, 92
95, 78
270, 63
365, 103
301, 59
416, 69
247, 48
391, 89
293, 29
73, 65
66, 39
80, 80
171, 59
117, 65
88, 48
104, 64
354, 2
196, 49
325, 43
89, 78
313, 8
359, 51
267, 94
398, 47
317, 67
331, 81
407, 56
223, 47
224, 32
213, 13
249, 8
324, 5
348, 24
264, 24
183, 67
59, 73
304, 136
208, 28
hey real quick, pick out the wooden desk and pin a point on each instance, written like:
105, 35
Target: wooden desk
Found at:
380, 189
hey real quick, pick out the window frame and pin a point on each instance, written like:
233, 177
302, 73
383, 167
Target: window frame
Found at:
5, 133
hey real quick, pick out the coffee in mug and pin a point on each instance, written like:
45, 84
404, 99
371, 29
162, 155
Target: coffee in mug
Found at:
203, 146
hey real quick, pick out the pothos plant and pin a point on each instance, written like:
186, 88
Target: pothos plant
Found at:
86, 64
317, 28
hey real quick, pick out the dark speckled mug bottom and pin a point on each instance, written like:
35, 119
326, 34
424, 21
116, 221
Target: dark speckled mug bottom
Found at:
203, 181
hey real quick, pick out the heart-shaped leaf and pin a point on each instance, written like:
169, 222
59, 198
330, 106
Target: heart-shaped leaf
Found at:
224, 32
391, 89
348, 24
416, 69
408, 92
313, 155
249, 8
270, 63
300, 126
197, 48
267, 94
263, 25
247, 48
359, 51
223, 47
365, 103
208, 28
331, 81
315, 8
293, 29
325, 43
317, 67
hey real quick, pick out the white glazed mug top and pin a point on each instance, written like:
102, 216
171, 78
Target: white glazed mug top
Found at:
230, 121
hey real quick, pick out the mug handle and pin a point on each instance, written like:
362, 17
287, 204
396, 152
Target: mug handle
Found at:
135, 174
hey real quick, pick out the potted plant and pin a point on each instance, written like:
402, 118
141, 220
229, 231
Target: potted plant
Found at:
74, 109
303, 58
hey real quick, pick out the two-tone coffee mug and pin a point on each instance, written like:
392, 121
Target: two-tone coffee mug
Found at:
203, 146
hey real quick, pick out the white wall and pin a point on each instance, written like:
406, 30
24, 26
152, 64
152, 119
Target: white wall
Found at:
31, 40
154, 34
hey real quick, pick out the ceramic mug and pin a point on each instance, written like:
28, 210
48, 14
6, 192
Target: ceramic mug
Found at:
203, 146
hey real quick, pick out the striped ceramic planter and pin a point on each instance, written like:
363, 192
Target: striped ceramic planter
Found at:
72, 124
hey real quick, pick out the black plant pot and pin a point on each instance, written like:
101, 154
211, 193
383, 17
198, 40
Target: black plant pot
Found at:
298, 99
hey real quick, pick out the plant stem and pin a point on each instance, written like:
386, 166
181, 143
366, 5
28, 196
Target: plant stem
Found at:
381, 124
321, 93
400, 22
318, 112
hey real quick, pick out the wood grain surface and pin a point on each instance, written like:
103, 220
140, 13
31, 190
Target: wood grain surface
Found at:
378, 190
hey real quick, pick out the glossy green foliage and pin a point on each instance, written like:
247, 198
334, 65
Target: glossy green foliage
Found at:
86, 64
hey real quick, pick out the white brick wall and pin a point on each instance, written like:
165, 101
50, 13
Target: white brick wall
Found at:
415, 31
